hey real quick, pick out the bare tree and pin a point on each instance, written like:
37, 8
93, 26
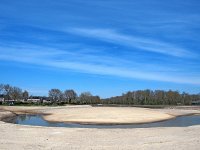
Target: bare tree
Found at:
7, 89
55, 95
88, 98
85, 97
70, 95
1, 89
15, 93
25, 95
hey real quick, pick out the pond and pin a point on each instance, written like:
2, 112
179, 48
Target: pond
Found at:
37, 120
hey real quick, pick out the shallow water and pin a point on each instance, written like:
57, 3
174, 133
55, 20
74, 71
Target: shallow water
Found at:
37, 120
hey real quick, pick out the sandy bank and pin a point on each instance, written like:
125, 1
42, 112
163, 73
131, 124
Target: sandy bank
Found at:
101, 115
6, 114
45, 138
21, 137
106, 115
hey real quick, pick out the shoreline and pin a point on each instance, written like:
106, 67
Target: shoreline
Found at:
19, 137
52, 114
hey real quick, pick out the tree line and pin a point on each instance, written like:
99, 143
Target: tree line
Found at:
9, 92
69, 96
156, 97
55, 96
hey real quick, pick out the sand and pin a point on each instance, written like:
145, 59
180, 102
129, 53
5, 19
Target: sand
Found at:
20, 137
106, 115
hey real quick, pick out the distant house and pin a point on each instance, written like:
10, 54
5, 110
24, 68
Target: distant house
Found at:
196, 102
46, 101
33, 100
10, 101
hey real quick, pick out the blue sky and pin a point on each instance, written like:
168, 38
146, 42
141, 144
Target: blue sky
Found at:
103, 46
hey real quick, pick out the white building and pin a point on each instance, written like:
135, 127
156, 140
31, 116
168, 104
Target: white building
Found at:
33, 100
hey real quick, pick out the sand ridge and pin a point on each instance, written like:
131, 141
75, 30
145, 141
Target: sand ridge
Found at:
106, 115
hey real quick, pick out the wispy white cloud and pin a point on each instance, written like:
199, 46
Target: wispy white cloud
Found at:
102, 65
135, 42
